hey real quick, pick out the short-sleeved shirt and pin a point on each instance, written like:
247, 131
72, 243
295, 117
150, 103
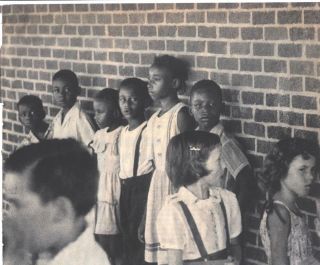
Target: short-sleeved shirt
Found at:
127, 147
232, 155
174, 231
76, 124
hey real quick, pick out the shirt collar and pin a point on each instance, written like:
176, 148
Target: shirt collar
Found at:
218, 129
75, 108
187, 196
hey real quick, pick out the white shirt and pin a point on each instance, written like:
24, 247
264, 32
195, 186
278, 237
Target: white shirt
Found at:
127, 146
76, 124
83, 251
174, 231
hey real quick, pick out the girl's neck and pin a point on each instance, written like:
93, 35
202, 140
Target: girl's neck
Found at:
199, 189
287, 197
168, 102
135, 123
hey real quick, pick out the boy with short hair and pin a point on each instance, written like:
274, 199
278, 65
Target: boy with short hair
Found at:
206, 107
71, 121
50, 187
31, 115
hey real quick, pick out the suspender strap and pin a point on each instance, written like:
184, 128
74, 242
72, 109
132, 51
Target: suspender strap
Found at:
226, 226
137, 153
194, 230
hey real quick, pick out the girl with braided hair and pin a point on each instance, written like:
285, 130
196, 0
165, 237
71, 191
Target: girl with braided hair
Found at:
289, 171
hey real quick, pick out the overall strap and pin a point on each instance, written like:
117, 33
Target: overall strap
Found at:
137, 153
226, 226
194, 230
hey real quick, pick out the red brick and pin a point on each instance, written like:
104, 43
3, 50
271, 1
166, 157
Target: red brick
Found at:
104, 18
278, 100
312, 84
116, 56
131, 31
251, 33
239, 17
302, 34
291, 118
122, 43
311, 17
127, 7
184, 5
207, 32
155, 18
187, 31
174, 18
278, 132
195, 17
157, 45
240, 48
206, 6
291, 84
97, 7
303, 102
131, 58
253, 65
216, 17
137, 18
306, 134
148, 31
126, 70
313, 121
175, 45
241, 112
196, 46
206, 61
263, 18
228, 32
139, 45
217, 47
91, 42
301, 67
265, 115
120, 18
230, 95
167, 31
275, 66
313, 51
252, 128
252, 98
228, 63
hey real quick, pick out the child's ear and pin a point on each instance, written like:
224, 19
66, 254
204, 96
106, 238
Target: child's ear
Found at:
62, 208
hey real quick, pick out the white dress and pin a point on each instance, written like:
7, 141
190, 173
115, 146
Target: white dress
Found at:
161, 130
76, 124
105, 145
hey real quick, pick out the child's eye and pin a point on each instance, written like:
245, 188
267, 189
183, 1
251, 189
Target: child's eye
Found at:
121, 100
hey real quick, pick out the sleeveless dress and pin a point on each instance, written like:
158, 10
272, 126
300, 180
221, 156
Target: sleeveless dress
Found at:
299, 243
162, 129
105, 145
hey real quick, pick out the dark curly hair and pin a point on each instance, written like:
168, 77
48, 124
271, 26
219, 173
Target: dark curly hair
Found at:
278, 160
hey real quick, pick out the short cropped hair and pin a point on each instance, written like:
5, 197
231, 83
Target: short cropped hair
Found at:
58, 168
207, 86
140, 87
186, 156
177, 67
34, 103
70, 77
277, 162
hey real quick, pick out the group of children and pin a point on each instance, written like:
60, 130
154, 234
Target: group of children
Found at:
171, 189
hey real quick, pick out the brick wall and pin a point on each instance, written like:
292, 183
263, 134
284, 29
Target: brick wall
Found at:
265, 57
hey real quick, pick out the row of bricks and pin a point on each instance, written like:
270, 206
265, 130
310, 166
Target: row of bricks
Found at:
288, 50
256, 17
302, 33
255, 66
255, 98
149, 6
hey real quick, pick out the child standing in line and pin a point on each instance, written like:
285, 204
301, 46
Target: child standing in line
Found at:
206, 106
50, 187
31, 115
135, 168
71, 121
105, 146
167, 75
289, 171
201, 221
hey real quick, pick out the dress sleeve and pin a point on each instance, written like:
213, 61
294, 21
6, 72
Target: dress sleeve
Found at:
233, 213
170, 227
85, 129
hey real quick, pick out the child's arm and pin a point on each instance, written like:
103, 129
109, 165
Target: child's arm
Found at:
175, 257
279, 231
185, 120
236, 250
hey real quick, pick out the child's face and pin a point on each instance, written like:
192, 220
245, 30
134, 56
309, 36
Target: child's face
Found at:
29, 216
216, 168
28, 116
103, 113
131, 104
64, 94
301, 174
206, 109
160, 83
